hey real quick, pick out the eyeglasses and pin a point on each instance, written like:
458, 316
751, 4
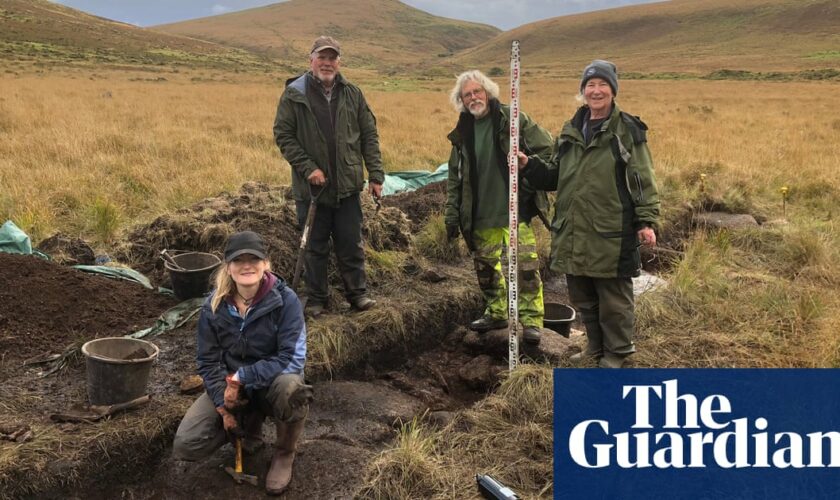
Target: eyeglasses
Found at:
472, 94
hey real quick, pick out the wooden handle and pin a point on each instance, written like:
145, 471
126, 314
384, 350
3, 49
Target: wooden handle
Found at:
238, 456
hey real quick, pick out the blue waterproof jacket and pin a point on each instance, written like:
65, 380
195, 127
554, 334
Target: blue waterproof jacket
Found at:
269, 341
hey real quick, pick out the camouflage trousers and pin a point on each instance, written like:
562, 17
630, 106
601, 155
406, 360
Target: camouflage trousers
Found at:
489, 245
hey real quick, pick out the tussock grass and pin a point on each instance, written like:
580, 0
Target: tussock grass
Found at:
507, 435
745, 299
104, 219
431, 242
408, 469
384, 266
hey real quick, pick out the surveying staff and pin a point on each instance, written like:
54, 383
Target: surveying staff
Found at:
607, 206
477, 202
326, 131
251, 355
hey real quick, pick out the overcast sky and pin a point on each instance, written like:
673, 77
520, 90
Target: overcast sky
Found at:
504, 14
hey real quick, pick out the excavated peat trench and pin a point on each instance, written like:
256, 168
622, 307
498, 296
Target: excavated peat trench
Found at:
352, 418
354, 415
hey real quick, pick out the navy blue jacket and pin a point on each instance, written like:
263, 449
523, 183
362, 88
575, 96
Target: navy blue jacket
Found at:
269, 341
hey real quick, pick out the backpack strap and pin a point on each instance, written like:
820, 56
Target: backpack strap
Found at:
638, 128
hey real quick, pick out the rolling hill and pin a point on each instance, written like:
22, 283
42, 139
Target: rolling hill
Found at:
373, 33
680, 36
44, 32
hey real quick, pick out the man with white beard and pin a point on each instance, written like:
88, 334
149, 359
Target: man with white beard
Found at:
477, 201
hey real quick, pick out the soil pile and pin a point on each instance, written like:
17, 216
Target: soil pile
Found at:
67, 250
47, 307
267, 210
421, 204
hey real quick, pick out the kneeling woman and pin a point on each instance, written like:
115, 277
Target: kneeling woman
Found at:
251, 354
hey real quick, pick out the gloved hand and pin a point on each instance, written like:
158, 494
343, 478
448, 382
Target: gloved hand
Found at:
233, 394
229, 422
452, 232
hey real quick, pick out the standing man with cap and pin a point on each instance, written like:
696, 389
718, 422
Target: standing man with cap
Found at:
607, 206
251, 355
326, 131
477, 201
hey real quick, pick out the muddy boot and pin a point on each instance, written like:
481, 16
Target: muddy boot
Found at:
611, 360
594, 339
253, 427
280, 474
589, 353
531, 335
487, 323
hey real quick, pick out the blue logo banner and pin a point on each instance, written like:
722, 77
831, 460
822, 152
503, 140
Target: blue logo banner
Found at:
697, 434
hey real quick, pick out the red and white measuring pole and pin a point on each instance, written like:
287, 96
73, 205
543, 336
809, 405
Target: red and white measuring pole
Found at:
513, 210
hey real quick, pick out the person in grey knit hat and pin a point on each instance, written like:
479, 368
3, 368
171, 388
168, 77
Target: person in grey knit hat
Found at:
601, 69
607, 206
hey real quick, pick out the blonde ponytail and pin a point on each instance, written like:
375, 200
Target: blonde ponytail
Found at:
225, 287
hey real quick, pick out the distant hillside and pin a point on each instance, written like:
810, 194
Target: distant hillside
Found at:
687, 36
373, 33
45, 32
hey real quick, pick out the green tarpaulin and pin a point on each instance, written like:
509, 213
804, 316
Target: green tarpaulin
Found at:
14, 240
172, 318
122, 273
410, 180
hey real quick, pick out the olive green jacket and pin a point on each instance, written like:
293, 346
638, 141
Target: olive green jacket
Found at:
462, 192
606, 192
303, 145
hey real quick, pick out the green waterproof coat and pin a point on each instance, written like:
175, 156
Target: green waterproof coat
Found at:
462, 192
606, 192
302, 144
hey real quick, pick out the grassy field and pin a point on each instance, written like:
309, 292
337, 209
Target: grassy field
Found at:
90, 155
93, 154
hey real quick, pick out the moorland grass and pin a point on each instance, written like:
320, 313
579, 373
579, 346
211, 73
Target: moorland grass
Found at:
131, 150
506, 435
752, 298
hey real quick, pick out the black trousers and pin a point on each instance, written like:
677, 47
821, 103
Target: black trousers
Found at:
343, 226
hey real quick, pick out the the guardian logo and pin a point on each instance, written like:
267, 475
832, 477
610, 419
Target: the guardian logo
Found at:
707, 425
694, 434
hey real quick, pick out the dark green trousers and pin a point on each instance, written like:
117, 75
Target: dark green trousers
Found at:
607, 308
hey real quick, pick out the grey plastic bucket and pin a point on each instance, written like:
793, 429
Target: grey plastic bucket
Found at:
194, 280
559, 317
118, 369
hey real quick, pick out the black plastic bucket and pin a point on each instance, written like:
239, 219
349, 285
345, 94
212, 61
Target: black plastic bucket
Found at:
118, 369
194, 280
559, 317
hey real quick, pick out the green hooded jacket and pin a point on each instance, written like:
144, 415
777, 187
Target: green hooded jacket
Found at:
606, 192
303, 145
461, 192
